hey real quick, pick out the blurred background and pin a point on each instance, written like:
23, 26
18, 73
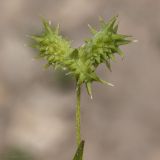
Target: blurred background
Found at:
37, 106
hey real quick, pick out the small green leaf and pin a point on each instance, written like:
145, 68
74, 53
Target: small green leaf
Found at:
57, 29
79, 152
37, 38
108, 65
46, 25
115, 29
74, 54
89, 89
93, 31
102, 22
120, 52
111, 23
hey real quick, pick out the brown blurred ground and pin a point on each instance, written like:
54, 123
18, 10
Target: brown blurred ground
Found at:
36, 114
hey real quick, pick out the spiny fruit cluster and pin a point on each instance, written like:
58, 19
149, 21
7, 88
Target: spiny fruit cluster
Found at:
83, 61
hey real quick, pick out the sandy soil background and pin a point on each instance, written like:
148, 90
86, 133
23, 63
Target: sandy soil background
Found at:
37, 106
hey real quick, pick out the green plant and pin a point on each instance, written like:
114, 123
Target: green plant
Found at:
81, 62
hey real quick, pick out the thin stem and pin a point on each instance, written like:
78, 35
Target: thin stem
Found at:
78, 115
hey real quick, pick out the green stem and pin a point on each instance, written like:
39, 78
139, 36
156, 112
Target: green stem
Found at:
78, 116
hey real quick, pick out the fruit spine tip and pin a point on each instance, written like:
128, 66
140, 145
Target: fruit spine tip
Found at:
110, 84
135, 41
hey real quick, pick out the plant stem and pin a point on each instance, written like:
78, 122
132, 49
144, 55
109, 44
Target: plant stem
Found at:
78, 115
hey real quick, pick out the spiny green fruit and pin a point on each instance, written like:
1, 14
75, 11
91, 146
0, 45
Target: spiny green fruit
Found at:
81, 62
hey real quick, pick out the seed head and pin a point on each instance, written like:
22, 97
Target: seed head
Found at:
82, 62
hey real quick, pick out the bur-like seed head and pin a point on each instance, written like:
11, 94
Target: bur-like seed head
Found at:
81, 62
